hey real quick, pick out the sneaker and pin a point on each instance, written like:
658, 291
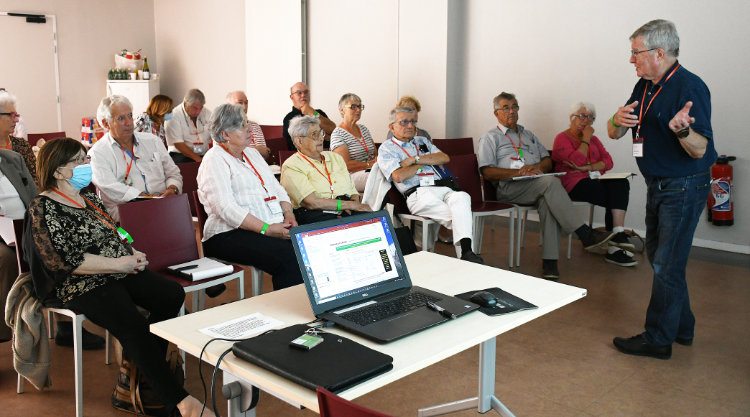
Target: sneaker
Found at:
596, 238
472, 257
620, 258
622, 241
549, 269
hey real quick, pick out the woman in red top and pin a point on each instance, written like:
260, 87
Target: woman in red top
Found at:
581, 155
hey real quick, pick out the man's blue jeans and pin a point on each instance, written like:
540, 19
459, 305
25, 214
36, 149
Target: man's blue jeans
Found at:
673, 208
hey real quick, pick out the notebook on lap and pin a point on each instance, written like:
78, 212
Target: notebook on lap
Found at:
354, 265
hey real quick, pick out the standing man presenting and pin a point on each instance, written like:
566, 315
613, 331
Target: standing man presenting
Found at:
669, 115
300, 95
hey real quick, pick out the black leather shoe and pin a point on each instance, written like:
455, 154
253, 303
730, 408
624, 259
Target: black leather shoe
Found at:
549, 269
472, 257
64, 337
216, 290
637, 345
684, 341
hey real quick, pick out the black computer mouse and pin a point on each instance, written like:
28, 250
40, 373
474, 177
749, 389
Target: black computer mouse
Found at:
484, 298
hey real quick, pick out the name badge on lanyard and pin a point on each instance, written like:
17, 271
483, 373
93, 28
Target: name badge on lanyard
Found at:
516, 163
638, 147
274, 205
594, 175
426, 179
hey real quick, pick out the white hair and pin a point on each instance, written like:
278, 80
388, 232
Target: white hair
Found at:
104, 112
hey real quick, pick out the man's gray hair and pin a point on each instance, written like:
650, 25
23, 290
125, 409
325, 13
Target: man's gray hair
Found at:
231, 93
194, 95
301, 126
348, 97
104, 111
226, 118
392, 117
659, 33
502, 96
582, 105
7, 99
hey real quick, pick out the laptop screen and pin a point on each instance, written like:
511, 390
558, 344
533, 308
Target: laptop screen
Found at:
350, 257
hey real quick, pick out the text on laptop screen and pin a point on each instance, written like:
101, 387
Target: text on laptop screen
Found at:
347, 259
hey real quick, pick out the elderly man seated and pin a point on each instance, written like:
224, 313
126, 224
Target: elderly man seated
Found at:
412, 163
254, 132
300, 95
127, 165
317, 182
508, 150
187, 131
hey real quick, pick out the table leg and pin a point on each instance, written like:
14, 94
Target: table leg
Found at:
486, 400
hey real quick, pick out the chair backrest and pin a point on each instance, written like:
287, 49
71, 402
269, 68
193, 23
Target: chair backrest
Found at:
199, 210
331, 405
162, 228
272, 131
466, 170
284, 155
189, 172
34, 137
276, 144
18, 231
456, 146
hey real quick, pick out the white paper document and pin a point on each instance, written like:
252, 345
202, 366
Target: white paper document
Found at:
616, 175
202, 268
243, 327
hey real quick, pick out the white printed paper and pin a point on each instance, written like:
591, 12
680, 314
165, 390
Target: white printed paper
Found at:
243, 327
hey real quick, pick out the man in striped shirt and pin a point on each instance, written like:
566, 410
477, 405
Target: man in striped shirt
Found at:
257, 140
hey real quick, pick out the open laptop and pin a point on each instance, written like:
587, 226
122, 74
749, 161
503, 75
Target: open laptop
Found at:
354, 264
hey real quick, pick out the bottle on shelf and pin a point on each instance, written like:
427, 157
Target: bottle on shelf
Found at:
146, 72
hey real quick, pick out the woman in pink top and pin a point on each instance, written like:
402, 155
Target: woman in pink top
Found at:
581, 155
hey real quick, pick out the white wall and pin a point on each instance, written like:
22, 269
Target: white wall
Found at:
89, 32
200, 45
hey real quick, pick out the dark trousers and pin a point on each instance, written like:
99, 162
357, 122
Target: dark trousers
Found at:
113, 307
610, 194
270, 254
179, 158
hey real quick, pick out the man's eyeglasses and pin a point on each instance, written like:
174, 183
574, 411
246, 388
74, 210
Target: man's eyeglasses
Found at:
355, 106
13, 115
583, 117
301, 92
405, 122
635, 53
509, 108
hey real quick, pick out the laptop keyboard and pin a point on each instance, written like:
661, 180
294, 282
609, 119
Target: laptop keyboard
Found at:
379, 311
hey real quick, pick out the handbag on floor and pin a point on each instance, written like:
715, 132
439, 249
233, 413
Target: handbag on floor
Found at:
134, 394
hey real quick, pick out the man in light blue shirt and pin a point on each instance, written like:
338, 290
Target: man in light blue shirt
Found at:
411, 163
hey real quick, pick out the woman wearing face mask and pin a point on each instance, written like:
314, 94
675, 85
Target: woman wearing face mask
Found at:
152, 121
79, 258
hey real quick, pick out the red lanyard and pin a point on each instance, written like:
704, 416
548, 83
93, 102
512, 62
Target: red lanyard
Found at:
402, 148
361, 141
642, 113
111, 225
129, 165
262, 183
9, 144
519, 151
326, 176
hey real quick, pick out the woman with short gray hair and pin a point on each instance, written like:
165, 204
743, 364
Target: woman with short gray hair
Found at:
353, 141
249, 212
318, 182
8, 119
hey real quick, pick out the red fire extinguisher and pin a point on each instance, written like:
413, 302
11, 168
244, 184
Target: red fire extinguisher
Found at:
720, 207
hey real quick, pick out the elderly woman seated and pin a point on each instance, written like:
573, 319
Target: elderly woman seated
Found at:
353, 141
249, 213
80, 258
581, 155
318, 182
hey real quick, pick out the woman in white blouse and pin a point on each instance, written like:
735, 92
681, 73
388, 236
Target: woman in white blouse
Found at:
353, 141
249, 213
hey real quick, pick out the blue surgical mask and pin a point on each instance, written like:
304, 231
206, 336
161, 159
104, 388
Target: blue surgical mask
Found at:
167, 116
81, 176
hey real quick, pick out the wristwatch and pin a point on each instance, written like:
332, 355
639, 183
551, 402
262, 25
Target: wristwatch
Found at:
682, 134
416, 159
174, 188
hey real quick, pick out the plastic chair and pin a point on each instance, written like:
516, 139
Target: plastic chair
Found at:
429, 227
331, 405
163, 229
457, 146
284, 155
272, 131
256, 275
466, 170
77, 320
34, 137
189, 173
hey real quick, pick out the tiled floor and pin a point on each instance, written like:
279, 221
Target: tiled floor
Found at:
562, 364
